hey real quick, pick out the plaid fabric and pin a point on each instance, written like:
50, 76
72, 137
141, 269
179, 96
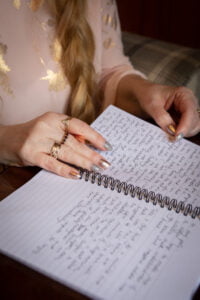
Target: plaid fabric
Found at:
164, 62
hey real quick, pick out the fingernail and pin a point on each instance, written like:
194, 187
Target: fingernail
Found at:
171, 129
75, 174
179, 136
104, 164
96, 168
108, 146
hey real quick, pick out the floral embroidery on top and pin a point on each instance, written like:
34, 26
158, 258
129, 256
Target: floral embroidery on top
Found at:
17, 4
56, 50
3, 66
57, 81
35, 4
4, 69
109, 19
108, 43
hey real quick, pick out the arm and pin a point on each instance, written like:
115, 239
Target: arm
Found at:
128, 88
114, 64
162, 103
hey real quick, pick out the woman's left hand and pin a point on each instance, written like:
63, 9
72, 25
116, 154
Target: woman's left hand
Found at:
160, 101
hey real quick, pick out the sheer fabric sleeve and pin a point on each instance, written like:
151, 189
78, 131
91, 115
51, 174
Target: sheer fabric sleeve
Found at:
115, 64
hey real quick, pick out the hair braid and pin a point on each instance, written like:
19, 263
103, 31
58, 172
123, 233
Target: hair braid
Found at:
76, 39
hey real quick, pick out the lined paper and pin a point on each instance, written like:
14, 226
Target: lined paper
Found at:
102, 243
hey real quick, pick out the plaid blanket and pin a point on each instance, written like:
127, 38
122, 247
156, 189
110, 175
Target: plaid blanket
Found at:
164, 62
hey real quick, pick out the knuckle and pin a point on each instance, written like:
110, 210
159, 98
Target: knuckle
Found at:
65, 152
23, 150
186, 96
96, 137
45, 162
52, 165
48, 115
62, 171
37, 127
182, 90
83, 127
95, 157
70, 141
83, 162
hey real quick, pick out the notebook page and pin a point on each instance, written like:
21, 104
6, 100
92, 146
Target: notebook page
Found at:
98, 241
143, 155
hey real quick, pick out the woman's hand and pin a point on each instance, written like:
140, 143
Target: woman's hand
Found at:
30, 144
159, 101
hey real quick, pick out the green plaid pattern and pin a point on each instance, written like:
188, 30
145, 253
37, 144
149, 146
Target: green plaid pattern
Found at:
164, 62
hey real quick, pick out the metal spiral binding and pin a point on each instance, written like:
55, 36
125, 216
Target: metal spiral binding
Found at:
141, 194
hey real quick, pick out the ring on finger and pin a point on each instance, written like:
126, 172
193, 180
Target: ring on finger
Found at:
55, 150
65, 136
66, 123
198, 110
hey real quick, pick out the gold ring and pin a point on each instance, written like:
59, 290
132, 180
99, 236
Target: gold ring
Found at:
198, 110
66, 123
55, 150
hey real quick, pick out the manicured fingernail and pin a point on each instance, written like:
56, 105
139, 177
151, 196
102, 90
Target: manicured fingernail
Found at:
75, 174
179, 136
104, 164
171, 129
96, 168
108, 146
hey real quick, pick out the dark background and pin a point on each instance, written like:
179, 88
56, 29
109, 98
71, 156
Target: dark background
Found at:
170, 20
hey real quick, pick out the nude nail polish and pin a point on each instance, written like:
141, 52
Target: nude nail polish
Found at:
96, 168
104, 164
75, 174
179, 136
171, 129
108, 146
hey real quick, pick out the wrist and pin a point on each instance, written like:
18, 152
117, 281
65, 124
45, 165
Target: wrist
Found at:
3, 143
7, 155
132, 89
137, 85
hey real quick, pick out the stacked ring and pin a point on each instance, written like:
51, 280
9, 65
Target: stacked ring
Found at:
66, 123
56, 146
55, 150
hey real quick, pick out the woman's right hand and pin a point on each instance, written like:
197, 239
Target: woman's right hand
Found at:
30, 144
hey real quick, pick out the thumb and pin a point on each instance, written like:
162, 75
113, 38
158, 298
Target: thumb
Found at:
162, 118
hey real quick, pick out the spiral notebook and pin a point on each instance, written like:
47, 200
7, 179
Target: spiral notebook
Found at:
129, 233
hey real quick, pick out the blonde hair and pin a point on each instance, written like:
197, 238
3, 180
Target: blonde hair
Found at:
76, 39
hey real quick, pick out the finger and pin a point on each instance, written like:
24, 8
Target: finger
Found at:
162, 117
195, 130
87, 159
189, 121
49, 163
82, 129
186, 104
90, 159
